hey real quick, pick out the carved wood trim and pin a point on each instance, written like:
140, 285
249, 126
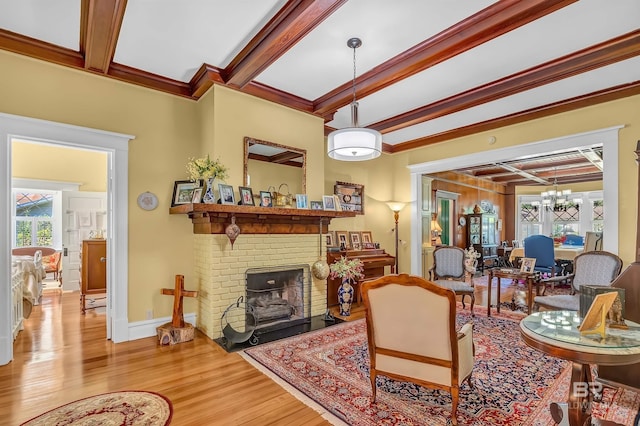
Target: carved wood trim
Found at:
214, 218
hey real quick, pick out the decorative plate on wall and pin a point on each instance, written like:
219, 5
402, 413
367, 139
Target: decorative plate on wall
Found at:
462, 221
147, 201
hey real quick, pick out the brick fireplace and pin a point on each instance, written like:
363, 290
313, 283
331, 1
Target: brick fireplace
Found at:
220, 270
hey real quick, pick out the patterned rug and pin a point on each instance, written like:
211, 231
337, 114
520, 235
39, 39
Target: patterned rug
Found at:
130, 408
513, 384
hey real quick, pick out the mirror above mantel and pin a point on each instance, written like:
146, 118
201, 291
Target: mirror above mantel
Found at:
268, 164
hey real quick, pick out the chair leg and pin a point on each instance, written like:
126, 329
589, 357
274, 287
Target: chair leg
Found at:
473, 302
454, 405
463, 305
372, 377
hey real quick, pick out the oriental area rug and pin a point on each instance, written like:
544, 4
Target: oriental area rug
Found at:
130, 408
513, 384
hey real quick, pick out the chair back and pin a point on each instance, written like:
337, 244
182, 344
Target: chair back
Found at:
540, 247
425, 314
593, 241
448, 262
574, 240
596, 268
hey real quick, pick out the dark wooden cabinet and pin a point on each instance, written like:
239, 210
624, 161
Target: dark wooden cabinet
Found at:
93, 269
374, 264
482, 235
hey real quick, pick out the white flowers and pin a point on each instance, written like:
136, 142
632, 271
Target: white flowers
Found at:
204, 168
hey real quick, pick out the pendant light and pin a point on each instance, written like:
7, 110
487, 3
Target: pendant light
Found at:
354, 143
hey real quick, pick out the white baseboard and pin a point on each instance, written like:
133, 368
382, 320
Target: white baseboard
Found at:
147, 328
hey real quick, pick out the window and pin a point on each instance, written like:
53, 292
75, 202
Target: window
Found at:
33, 219
566, 219
597, 216
530, 219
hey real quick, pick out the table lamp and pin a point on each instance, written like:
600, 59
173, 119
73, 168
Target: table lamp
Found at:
436, 230
395, 207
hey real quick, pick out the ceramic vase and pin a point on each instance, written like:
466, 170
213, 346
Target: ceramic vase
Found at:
209, 196
345, 297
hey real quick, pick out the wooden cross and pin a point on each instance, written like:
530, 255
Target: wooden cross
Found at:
178, 317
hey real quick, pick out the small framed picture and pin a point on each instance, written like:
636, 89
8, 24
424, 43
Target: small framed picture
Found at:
197, 196
337, 203
342, 239
246, 196
366, 237
331, 239
183, 191
328, 202
354, 238
265, 199
301, 201
368, 246
316, 205
226, 194
527, 265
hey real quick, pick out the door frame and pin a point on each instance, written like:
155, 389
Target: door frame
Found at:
116, 146
606, 137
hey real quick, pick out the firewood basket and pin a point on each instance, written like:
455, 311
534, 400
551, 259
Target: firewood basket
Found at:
238, 323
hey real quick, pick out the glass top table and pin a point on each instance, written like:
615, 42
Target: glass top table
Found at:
556, 333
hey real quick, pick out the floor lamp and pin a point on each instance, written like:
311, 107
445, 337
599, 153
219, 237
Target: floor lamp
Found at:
395, 207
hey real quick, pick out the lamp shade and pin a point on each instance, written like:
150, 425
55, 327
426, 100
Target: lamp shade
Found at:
396, 206
354, 144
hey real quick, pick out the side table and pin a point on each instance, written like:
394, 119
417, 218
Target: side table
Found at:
514, 274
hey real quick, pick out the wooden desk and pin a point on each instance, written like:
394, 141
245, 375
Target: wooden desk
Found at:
513, 274
374, 264
555, 333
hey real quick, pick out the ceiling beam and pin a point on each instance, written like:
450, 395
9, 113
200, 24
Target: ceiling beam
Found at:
491, 22
601, 96
618, 49
294, 21
18, 43
100, 23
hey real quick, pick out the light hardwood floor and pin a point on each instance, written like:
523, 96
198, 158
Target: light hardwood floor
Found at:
62, 356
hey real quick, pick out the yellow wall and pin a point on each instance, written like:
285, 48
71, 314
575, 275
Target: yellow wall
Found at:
47, 162
169, 129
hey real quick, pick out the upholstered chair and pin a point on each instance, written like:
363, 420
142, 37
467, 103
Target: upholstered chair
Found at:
591, 268
52, 263
412, 335
540, 247
449, 271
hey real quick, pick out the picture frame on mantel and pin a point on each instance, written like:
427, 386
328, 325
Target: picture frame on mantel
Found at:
183, 191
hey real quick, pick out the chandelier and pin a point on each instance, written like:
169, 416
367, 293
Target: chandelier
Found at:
354, 143
559, 200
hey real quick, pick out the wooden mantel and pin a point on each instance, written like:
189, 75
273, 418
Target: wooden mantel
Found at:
214, 218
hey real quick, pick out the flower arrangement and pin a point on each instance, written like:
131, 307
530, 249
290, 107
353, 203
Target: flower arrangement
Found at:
350, 269
205, 168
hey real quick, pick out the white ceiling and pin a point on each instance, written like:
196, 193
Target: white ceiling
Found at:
173, 39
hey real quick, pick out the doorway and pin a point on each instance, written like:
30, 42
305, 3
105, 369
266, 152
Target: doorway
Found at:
115, 145
607, 137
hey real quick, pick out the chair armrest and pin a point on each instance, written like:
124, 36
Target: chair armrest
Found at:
466, 349
466, 331
557, 278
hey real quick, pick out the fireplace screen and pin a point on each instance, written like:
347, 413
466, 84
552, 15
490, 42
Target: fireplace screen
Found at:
279, 296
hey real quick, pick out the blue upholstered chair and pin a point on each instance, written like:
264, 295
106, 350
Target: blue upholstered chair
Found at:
573, 240
540, 247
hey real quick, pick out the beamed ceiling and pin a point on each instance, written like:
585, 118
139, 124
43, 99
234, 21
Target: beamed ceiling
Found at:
428, 71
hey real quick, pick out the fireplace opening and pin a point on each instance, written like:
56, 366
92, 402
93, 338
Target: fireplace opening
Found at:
279, 297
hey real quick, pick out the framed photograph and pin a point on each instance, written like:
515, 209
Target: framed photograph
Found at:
328, 202
342, 239
226, 194
527, 264
331, 239
265, 199
595, 319
246, 196
183, 191
316, 205
302, 201
366, 237
197, 196
368, 246
354, 238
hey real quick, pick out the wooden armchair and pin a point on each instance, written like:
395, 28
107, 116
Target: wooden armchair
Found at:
412, 336
449, 271
591, 268
53, 264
